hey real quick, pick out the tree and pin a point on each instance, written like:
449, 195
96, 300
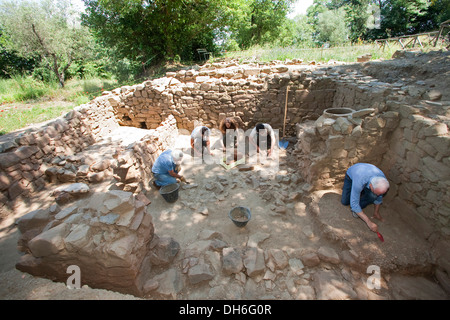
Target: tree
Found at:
46, 29
331, 26
154, 31
266, 19
400, 17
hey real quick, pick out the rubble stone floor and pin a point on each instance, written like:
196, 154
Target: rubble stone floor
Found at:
284, 217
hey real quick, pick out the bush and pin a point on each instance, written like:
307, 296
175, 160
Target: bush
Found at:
44, 75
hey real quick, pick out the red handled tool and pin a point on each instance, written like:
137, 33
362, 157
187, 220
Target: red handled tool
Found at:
380, 236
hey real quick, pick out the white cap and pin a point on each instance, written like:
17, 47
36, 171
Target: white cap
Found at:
177, 156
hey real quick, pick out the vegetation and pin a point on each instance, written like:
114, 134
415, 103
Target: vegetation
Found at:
49, 50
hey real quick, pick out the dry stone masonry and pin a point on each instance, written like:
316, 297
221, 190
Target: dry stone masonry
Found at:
337, 115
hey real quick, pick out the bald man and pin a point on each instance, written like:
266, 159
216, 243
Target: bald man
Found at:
364, 184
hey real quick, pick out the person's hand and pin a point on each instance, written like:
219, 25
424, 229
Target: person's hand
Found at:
372, 226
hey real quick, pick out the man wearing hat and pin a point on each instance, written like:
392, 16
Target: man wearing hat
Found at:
166, 168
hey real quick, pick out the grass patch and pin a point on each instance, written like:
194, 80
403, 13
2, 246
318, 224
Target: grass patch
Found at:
348, 53
41, 99
15, 118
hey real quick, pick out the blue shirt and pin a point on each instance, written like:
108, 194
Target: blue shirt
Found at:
164, 163
361, 173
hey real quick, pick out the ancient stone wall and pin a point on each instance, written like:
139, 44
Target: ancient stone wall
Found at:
406, 137
25, 155
106, 236
250, 94
417, 161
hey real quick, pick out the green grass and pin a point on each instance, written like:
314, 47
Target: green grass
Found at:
347, 53
12, 119
25, 101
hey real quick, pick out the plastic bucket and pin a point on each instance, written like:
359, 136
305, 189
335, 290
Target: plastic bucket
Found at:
240, 216
170, 192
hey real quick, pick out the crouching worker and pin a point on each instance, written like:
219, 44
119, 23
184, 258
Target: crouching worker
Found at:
364, 184
262, 138
166, 168
200, 141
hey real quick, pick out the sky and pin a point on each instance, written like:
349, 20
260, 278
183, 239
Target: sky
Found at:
300, 7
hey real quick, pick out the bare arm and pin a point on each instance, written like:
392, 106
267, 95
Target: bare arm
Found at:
174, 174
372, 226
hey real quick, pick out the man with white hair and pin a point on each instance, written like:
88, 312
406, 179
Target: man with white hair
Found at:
364, 184
167, 167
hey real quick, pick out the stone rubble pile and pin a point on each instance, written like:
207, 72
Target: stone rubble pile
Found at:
106, 235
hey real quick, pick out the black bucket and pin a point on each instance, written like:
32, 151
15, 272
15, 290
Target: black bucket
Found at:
170, 192
240, 216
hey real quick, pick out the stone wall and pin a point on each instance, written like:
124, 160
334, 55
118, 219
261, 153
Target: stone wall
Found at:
249, 93
67, 150
417, 161
25, 155
406, 137
106, 236
132, 168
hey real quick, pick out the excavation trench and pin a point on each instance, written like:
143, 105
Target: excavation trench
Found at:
101, 213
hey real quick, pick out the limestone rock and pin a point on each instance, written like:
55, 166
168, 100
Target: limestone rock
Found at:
328, 254
310, 259
231, 261
170, 283
49, 242
199, 273
254, 261
34, 219
163, 250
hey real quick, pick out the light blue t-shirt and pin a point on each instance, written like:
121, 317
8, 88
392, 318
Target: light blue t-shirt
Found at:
164, 163
361, 173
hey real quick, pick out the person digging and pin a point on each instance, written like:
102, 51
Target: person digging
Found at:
166, 168
364, 184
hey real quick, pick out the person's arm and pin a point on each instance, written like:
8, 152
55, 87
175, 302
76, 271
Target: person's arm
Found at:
175, 175
376, 212
372, 226
354, 204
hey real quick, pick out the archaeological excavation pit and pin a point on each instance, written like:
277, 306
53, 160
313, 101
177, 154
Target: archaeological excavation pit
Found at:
81, 187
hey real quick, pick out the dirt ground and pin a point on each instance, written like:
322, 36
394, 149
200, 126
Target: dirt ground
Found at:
314, 221
301, 227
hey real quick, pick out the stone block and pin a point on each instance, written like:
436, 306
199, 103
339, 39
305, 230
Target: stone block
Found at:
49, 242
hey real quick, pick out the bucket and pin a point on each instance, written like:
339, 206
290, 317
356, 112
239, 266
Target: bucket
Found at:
240, 216
170, 192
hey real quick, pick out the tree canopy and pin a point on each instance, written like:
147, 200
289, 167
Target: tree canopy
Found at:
45, 30
135, 34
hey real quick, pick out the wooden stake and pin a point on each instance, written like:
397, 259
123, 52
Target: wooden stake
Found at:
285, 111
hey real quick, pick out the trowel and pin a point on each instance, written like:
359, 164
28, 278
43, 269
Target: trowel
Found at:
380, 236
183, 179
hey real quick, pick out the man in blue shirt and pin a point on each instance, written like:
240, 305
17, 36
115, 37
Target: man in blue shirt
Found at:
364, 184
166, 167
